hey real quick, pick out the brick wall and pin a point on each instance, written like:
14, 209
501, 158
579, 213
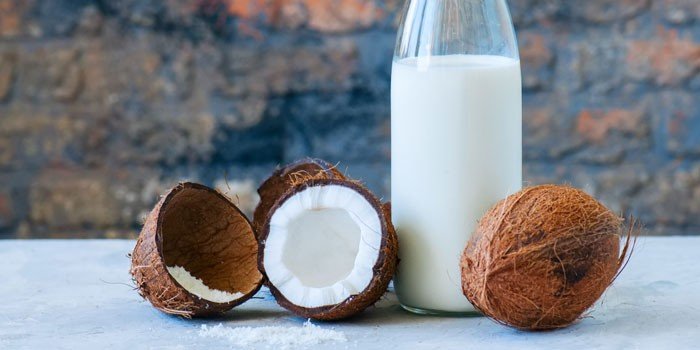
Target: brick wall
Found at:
105, 104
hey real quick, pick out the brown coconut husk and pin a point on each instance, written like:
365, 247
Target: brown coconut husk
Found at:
197, 228
541, 257
383, 269
284, 178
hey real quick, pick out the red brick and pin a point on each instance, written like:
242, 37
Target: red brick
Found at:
66, 71
596, 125
291, 69
342, 15
537, 59
10, 18
67, 198
248, 9
546, 131
7, 215
604, 11
666, 60
322, 15
7, 73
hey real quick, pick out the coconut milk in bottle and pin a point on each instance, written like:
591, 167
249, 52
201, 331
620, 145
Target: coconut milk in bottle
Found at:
456, 129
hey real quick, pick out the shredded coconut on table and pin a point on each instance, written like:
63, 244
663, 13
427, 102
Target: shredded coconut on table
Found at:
273, 336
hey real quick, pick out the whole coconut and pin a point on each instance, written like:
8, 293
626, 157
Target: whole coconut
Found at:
541, 257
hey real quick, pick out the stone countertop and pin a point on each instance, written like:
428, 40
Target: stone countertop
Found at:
77, 294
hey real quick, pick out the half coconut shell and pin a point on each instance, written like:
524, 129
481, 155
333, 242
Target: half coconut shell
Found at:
196, 228
284, 178
307, 233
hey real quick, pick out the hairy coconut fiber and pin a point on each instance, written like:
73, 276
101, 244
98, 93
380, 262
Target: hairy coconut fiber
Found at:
199, 229
284, 178
383, 269
541, 257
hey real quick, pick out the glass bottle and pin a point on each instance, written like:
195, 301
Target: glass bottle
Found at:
456, 139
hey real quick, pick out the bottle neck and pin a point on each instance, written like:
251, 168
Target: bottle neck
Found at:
454, 27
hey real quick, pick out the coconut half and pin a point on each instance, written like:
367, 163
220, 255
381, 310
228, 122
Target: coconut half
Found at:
328, 249
196, 254
284, 178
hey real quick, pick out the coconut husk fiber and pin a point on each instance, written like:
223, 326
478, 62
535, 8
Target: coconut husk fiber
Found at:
383, 269
284, 178
199, 229
543, 256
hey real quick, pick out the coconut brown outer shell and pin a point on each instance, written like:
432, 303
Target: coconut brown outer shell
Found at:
541, 257
383, 269
282, 179
148, 268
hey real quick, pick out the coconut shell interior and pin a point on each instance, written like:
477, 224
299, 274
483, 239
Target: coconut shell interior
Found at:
203, 232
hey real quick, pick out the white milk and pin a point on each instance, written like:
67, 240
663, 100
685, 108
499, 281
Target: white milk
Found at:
456, 149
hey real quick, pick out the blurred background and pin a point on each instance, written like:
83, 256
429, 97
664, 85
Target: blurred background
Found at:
106, 104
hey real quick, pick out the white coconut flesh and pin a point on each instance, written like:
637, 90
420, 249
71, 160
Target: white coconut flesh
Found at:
197, 287
322, 245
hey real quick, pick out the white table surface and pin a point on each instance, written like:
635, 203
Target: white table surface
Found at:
60, 294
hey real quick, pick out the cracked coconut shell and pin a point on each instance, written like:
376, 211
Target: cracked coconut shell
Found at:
541, 257
284, 178
316, 194
199, 229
